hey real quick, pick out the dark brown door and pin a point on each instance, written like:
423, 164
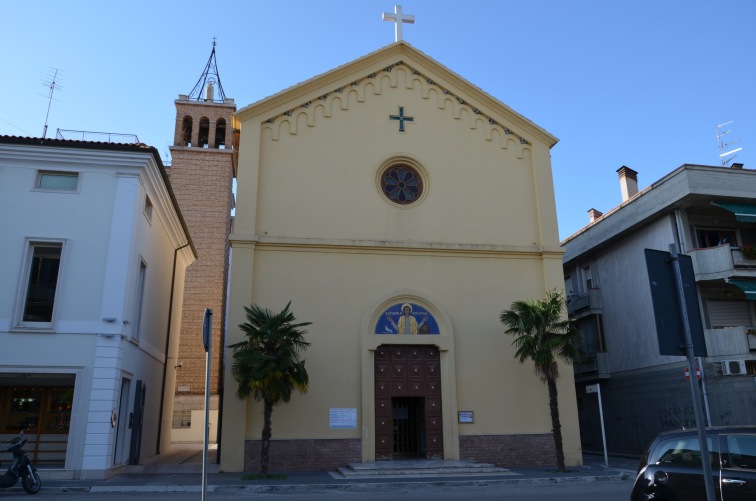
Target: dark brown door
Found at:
408, 402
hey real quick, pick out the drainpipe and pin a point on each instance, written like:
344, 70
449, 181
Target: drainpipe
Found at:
167, 343
699, 360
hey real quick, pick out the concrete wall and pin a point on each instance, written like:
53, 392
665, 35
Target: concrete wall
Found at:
628, 314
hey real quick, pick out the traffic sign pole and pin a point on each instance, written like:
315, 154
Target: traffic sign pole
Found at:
207, 331
700, 423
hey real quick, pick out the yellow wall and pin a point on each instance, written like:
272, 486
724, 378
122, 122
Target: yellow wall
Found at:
313, 227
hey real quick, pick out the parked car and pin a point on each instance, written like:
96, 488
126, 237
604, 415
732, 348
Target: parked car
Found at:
671, 470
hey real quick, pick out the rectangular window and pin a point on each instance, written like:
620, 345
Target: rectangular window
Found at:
61, 181
742, 451
138, 300
709, 237
42, 281
729, 313
587, 282
568, 291
148, 208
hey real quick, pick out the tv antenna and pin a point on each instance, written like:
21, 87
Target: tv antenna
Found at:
724, 154
52, 84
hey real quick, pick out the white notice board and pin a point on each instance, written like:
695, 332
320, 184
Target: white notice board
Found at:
342, 418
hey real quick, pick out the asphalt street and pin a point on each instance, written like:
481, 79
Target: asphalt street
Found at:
618, 490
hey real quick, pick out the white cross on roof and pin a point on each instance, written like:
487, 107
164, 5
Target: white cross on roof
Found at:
398, 18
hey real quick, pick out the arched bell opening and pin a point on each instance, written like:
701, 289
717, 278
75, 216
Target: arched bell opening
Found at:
186, 131
204, 132
220, 133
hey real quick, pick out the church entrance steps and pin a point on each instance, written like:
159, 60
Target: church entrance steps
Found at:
418, 468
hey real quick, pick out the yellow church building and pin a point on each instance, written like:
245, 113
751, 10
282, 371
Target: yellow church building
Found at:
400, 209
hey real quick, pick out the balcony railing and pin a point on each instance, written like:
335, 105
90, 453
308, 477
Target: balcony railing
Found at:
590, 301
717, 263
101, 137
730, 341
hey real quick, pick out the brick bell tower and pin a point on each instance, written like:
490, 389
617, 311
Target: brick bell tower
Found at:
203, 166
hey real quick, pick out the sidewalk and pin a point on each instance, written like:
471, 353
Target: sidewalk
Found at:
593, 470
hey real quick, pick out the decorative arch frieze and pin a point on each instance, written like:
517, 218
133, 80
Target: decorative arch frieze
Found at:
359, 91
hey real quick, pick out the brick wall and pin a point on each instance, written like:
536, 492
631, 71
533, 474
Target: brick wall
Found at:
303, 455
198, 110
509, 450
202, 180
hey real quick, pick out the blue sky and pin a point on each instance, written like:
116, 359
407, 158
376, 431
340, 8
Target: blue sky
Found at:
640, 83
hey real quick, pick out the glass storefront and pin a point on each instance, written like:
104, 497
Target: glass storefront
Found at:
43, 413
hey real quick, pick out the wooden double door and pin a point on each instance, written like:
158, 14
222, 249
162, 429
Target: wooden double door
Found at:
408, 419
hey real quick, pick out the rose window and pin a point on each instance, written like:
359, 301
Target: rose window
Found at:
402, 184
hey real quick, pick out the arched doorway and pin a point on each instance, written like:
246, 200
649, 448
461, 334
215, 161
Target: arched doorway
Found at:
409, 395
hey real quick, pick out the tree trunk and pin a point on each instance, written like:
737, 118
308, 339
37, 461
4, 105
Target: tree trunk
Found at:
556, 426
266, 432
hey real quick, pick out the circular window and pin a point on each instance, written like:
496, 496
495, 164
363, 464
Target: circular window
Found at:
401, 184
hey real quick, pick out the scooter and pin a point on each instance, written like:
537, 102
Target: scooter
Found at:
21, 467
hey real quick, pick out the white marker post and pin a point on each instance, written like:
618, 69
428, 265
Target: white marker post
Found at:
398, 18
596, 388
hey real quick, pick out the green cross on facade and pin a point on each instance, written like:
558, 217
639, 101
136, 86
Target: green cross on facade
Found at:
401, 118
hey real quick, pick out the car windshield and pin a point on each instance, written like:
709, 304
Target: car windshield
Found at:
684, 451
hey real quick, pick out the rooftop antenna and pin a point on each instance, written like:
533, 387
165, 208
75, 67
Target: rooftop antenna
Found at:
724, 155
210, 77
52, 84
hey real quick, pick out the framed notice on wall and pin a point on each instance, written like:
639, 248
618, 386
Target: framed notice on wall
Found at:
342, 418
465, 417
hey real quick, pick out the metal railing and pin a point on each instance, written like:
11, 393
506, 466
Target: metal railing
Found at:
100, 137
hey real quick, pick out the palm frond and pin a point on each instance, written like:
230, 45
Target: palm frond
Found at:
267, 364
541, 334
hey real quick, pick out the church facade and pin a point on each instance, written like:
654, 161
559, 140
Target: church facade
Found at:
400, 209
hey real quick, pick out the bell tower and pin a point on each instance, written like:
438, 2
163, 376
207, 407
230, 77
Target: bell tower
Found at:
203, 167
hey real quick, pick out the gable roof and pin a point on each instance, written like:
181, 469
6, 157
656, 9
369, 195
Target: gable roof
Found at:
398, 53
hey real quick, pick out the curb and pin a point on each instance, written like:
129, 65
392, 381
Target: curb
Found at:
331, 486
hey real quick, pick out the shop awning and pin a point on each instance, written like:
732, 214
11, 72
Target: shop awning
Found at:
747, 286
745, 213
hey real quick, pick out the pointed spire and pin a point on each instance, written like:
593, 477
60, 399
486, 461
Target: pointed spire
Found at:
210, 77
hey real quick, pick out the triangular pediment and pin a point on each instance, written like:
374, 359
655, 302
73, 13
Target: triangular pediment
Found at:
398, 64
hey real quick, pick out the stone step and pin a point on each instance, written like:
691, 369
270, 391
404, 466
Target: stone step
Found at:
424, 467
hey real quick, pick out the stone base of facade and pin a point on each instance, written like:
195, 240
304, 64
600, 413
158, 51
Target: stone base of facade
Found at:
303, 455
509, 451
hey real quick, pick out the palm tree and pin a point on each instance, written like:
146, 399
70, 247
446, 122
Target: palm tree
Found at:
267, 364
544, 336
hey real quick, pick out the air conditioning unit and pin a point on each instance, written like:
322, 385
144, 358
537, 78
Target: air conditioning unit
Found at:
733, 367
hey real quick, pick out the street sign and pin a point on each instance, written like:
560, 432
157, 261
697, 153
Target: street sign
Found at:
592, 388
207, 328
687, 374
665, 298
678, 328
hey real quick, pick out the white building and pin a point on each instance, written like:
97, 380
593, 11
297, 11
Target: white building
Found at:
94, 253
709, 213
